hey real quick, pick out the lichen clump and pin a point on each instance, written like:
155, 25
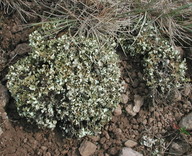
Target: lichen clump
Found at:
163, 67
66, 81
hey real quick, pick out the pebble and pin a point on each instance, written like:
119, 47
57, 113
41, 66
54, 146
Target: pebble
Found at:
186, 122
113, 151
187, 89
118, 111
130, 143
4, 96
124, 98
159, 124
129, 110
125, 85
1, 131
138, 102
179, 147
129, 152
177, 96
135, 83
44, 148
106, 135
94, 138
25, 140
145, 121
127, 80
21, 49
87, 148
48, 154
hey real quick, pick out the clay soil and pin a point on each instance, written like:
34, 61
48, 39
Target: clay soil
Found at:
19, 138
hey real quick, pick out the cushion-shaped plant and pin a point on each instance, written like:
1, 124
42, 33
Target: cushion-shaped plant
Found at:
72, 82
163, 67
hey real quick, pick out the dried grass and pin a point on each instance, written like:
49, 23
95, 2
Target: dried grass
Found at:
173, 18
22, 7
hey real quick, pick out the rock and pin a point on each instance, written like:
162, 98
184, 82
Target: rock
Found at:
87, 148
138, 101
1, 131
44, 148
21, 49
179, 147
106, 134
130, 111
4, 96
186, 122
125, 85
48, 154
130, 143
177, 96
129, 152
180, 50
113, 151
118, 111
187, 89
94, 138
124, 98
135, 83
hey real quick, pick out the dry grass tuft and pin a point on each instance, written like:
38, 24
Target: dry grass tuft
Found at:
173, 18
86, 17
22, 7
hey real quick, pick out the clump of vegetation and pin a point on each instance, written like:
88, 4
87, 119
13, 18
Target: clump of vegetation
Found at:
23, 7
164, 70
172, 17
66, 81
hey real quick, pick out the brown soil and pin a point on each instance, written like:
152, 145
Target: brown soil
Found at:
22, 139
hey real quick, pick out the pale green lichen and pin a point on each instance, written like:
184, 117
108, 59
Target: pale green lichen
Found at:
163, 68
66, 81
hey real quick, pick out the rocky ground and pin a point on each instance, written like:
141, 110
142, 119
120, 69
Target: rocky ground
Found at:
137, 128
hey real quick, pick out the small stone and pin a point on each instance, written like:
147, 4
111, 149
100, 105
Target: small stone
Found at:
4, 96
125, 85
135, 83
145, 121
159, 124
94, 138
21, 49
186, 122
180, 50
102, 140
130, 143
124, 98
127, 80
179, 147
138, 101
106, 135
177, 96
48, 154
151, 120
113, 151
129, 152
130, 111
1, 131
118, 111
187, 89
64, 152
44, 148
34, 144
87, 148
25, 140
